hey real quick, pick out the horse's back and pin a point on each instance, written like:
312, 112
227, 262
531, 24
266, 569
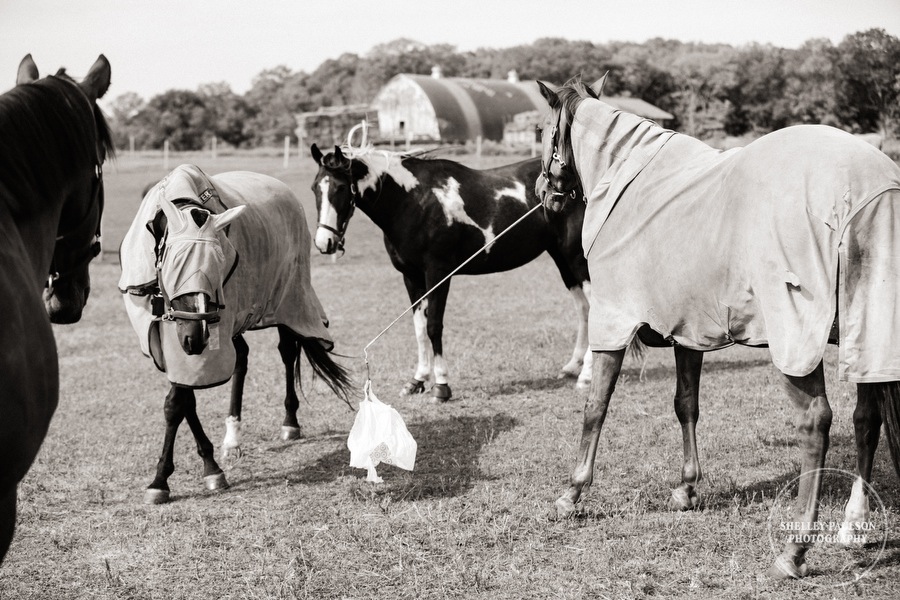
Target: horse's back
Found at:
271, 283
713, 248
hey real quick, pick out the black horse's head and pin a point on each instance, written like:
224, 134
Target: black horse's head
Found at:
193, 269
559, 180
336, 187
85, 138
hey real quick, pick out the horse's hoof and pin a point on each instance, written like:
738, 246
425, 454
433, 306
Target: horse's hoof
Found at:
289, 434
683, 499
583, 384
413, 386
215, 482
785, 568
565, 508
441, 393
570, 371
231, 452
155, 496
850, 537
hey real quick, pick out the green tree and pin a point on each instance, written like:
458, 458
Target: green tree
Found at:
179, 116
866, 69
756, 92
809, 82
276, 96
125, 123
229, 114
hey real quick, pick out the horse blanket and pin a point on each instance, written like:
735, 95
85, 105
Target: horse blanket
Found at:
267, 248
761, 245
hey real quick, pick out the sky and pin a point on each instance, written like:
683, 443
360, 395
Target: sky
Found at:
157, 45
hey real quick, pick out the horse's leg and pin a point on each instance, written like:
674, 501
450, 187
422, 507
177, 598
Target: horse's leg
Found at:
573, 367
213, 476
688, 364
231, 445
867, 427
813, 422
587, 365
608, 365
7, 519
289, 350
416, 385
582, 305
434, 316
174, 410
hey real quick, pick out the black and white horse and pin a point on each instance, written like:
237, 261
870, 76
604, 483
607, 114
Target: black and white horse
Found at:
435, 214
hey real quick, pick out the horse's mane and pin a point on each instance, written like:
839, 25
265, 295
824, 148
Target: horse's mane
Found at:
572, 93
47, 131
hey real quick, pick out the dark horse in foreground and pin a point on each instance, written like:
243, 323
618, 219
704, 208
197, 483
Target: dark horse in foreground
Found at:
437, 213
205, 260
761, 246
53, 142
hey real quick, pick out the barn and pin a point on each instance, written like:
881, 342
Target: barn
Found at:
423, 108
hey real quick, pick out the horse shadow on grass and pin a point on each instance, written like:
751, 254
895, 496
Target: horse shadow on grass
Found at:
447, 461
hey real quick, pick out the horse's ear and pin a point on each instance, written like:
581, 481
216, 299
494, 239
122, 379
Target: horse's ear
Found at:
597, 88
223, 219
96, 82
175, 217
549, 95
316, 154
28, 71
338, 154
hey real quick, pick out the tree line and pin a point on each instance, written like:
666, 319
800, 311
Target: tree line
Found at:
712, 89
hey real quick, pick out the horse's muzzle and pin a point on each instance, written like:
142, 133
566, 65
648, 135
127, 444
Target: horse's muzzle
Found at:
67, 307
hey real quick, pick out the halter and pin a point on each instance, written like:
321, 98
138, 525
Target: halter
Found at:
341, 231
85, 255
161, 303
556, 157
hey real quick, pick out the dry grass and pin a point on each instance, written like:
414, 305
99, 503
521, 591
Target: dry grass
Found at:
471, 521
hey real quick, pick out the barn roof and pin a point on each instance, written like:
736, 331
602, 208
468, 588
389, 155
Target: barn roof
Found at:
466, 108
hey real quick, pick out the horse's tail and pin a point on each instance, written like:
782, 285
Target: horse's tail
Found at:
637, 349
335, 376
888, 397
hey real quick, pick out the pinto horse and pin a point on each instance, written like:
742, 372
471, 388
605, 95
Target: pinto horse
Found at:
770, 243
205, 260
53, 142
437, 213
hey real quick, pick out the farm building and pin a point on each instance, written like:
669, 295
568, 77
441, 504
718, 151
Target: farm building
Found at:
454, 109
331, 124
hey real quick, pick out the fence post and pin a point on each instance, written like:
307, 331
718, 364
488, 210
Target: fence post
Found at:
287, 150
213, 147
166, 155
131, 145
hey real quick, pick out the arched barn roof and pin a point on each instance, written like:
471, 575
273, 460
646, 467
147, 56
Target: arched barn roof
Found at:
456, 109
451, 108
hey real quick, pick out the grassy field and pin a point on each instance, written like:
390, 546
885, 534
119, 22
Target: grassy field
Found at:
472, 519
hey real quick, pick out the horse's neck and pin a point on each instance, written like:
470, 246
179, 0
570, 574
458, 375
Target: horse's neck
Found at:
604, 139
388, 192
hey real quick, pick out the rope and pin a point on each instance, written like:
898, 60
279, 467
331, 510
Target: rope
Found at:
440, 283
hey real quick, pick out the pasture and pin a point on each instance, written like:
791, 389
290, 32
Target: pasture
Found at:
472, 519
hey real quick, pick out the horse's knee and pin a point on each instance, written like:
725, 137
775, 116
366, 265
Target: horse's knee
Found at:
818, 417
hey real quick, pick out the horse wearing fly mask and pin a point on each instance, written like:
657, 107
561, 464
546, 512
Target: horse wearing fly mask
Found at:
437, 213
206, 260
53, 142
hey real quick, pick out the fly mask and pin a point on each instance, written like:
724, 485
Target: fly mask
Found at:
194, 263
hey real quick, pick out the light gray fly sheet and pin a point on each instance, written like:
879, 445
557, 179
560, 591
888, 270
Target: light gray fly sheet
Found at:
762, 245
258, 268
